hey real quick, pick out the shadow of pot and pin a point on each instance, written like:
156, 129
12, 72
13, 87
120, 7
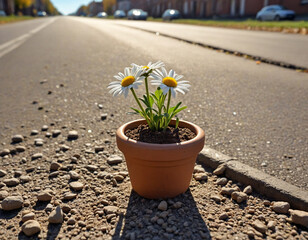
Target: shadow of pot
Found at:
160, 170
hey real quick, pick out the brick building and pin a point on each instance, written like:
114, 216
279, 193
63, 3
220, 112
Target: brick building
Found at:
95, 8
8, 6
211, 8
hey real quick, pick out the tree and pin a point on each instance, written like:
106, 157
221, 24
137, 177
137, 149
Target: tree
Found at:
109, 6
21, 4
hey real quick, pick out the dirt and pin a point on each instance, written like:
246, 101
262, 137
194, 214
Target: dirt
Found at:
143, 133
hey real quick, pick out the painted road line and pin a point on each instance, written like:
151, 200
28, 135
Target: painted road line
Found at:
9, 46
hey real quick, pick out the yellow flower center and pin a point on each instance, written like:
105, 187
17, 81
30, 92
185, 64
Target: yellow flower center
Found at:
145, 67
170, 82
127, 81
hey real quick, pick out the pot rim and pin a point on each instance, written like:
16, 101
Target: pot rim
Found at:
199, 135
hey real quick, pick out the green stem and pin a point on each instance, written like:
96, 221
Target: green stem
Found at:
146, 87
169, 99
148, 95
137, 100
142, 109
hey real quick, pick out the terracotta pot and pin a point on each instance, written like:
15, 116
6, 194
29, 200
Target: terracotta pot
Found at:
160, 170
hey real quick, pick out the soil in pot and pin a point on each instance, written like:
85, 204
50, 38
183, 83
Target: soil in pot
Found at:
143, 133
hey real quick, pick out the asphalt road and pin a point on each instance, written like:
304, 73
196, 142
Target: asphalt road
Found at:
286, 48
256, 113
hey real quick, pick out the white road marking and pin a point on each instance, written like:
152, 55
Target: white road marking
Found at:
9, 46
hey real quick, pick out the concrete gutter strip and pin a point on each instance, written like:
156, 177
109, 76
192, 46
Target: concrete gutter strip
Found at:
263, 183
236, 53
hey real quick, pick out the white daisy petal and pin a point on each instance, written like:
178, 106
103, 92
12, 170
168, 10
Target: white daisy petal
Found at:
125, 93
164, 72
180, 90
126, 72
173, 92
171, 73
178, 77
117, 77
121, 75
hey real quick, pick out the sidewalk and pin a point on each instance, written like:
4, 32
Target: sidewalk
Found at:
88, 180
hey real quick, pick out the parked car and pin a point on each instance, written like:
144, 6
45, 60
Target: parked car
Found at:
102, 15
2, 13
119, 14
41, 14
171, 14
276, 13
137, 14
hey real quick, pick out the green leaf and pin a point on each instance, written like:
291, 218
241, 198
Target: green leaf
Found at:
179, 110
138, 112
177, 122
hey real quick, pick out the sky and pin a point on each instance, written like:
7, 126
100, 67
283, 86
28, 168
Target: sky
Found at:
69, 6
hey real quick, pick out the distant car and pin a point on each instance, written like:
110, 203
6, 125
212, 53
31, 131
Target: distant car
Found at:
137, 14
171, 14
41, 14
2, 13
275, 13
102, 15
119, 14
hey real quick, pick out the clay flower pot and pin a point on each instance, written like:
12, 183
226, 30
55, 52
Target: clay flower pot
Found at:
160, 170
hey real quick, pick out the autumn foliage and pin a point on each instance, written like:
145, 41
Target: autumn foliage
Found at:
109, 6
31, 7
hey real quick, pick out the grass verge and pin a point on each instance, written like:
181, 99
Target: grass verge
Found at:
10, 19
281, 26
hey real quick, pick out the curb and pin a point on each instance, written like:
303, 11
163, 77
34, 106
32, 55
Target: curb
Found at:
225, 50
263, 183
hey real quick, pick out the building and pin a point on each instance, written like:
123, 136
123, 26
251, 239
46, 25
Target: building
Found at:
95, 8
211, 8
8, 6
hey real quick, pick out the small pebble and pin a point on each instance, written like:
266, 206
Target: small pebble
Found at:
56, 133
220, 170
299, 217
36, 156
54, 166
114, 159
11, 182
77, 186
104, 116
28, 216
56, 216
239, 197
12, 202
248, 190
17, 138
44, 128
74, 175
222, 181
223, 216
72, 135
259, 226
163, 206
31, 227
34, 132
2, 173
281, 207
44, 197
3, 194
200, 176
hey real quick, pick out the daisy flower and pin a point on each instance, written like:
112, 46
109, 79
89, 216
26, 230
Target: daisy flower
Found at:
131, 79
151, 66
169, 81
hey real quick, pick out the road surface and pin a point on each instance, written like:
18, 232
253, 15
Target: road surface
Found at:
255, 113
